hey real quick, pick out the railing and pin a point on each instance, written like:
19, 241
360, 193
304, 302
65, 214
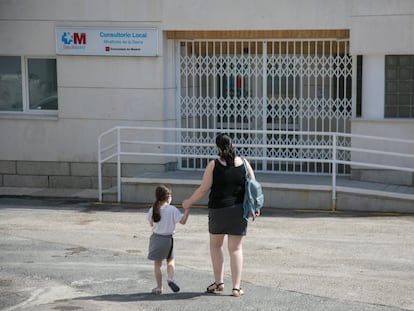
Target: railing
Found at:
119, 145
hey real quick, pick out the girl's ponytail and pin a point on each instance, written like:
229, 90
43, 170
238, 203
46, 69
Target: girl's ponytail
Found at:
161, 195
156, 216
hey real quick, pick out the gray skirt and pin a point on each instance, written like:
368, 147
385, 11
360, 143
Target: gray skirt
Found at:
228, 220
160, 247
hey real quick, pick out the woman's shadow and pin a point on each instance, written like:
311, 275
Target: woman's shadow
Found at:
142, 297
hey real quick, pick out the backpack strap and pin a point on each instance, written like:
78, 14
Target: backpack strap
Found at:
246, 170
246, 210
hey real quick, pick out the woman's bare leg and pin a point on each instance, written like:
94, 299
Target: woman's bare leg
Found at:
217, 259
236, 260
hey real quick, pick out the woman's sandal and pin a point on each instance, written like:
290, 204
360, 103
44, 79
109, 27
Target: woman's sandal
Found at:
217, 287
237, 292
156, 291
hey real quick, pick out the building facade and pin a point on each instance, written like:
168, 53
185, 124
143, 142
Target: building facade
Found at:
72, 70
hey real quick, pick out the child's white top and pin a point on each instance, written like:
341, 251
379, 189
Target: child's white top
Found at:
170, 216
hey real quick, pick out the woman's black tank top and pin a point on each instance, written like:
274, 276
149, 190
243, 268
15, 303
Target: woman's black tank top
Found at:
228, 185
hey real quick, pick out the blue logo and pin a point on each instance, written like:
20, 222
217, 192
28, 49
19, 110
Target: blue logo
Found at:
67, 38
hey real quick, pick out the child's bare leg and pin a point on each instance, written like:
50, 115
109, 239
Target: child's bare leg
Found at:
158, 273
170, 268
170, 274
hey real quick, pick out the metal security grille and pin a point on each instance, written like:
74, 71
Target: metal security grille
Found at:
278, 95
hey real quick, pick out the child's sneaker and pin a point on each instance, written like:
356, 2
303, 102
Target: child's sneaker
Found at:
174, 287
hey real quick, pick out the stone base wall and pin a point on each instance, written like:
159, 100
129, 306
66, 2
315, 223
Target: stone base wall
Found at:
55, 174
76, 175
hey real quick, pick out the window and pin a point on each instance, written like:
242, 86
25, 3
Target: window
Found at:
399, 86
28, 84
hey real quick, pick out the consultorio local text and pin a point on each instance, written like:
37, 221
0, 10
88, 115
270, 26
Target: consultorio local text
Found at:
127, 35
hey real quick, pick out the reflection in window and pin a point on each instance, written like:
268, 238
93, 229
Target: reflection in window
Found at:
10, 84
42, 84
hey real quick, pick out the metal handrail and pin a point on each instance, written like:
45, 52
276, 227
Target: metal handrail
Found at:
116, 152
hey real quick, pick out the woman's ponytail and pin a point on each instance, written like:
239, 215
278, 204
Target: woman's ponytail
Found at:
226, 149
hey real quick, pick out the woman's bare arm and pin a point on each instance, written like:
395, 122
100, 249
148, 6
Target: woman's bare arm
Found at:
204, 187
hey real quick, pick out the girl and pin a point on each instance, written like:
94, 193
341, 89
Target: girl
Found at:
163, 217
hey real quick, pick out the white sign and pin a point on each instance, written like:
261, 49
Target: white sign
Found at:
106, 41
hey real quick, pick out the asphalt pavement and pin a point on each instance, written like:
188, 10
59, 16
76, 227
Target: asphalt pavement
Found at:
76, 254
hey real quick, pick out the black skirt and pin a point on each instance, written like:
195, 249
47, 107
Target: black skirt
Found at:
228, 220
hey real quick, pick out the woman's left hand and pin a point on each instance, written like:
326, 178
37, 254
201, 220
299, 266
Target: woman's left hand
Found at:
186, 204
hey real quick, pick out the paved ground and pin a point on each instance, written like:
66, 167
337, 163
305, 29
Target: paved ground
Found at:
75, 254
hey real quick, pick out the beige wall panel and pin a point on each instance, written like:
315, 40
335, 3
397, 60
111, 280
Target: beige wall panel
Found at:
247, 14
75, 10
27, 38
382, 27
110, 71
111, 104
382, 7
382, 34
66, 140
74, 140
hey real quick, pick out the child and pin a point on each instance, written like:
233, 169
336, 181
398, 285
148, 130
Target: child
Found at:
163, 217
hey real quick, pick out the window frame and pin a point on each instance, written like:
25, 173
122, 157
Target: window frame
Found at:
26, 110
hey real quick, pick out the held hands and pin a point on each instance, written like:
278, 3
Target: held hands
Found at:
186, 204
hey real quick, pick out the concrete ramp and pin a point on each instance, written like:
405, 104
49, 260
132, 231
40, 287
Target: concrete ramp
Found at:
282, 191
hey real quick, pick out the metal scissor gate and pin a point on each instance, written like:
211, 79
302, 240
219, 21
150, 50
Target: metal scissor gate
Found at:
278, 96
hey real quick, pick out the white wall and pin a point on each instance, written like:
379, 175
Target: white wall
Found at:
95, 93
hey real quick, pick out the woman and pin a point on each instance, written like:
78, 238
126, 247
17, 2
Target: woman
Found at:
224, 178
